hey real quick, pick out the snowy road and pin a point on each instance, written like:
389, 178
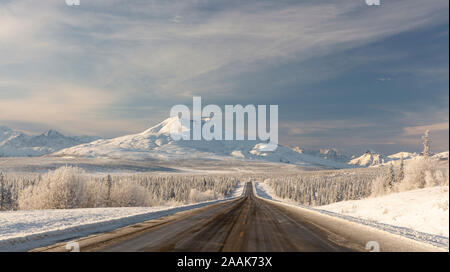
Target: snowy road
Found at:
246, 224
249, 224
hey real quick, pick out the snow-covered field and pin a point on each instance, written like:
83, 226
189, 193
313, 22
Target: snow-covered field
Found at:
24, 230
425, 210
422, 215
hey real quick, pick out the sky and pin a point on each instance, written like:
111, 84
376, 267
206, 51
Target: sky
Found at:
344, 74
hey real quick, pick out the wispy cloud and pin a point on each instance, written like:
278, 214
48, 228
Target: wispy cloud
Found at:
418, 130
65, 106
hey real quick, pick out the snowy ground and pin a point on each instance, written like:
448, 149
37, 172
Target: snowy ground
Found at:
24, 230
422, 215
424, 210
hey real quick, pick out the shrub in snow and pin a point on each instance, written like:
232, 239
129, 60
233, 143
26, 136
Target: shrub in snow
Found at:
197, 196
129, 194
379, 186
95, 195
423, 172
59, 189
415, 174
71, 187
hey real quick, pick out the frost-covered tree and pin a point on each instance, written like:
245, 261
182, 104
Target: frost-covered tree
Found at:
322, 187
390, 178
426, 144
59, 189
401, 172
71, 187
108, 194
421, 173
2, 189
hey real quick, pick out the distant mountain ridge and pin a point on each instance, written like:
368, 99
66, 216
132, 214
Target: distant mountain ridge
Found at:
14, 143
156, 143
373, 159
327, 154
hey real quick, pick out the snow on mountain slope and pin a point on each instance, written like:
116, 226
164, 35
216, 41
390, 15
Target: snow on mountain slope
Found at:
368, 159
7, 133
404, 155
156, 143
327, 154
443, 156
372, 159
17, 144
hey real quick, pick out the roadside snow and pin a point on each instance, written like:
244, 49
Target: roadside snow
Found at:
25, 230
421, 215
424, 210
239, 190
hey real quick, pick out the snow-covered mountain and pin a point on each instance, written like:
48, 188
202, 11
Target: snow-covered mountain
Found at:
14, 143
404, 155
327, 154
156, 143
443, 156
372, 159
369, 158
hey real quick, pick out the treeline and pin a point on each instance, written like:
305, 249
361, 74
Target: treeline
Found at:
71, 187
324, 187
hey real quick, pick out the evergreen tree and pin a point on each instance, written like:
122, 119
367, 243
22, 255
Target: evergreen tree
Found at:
109, 185
390, 178
401, 174
2, 189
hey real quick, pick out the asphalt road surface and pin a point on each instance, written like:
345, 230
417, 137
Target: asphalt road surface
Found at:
246, 224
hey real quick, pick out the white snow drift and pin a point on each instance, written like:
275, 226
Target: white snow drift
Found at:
424, 210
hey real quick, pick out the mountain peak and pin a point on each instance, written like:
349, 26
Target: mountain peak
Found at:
156, 143
17, 144
4, 128
369, 158
164, 127
52, 133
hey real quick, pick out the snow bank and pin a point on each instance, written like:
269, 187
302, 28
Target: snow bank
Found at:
424, 210
25, 230
239, 190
